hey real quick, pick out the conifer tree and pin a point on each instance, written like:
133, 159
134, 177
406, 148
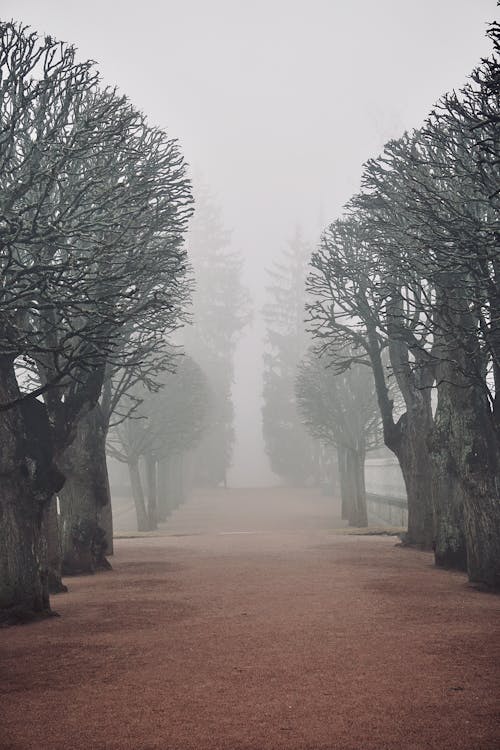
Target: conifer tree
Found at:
290, 449
221, 310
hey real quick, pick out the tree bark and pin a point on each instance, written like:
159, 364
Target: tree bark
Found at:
407, 438
28, 481
152, 491
474, 450
357, 511
450, 549
83, 497
138, 495
51, 533
24, 583
106, 513
468, 441
106, 523
414, 459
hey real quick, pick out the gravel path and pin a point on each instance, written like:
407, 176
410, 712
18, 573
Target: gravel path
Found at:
253, 625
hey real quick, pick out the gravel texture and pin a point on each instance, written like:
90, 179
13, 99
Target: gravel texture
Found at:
251, 625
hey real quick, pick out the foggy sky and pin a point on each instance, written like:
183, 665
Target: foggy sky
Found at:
277, 104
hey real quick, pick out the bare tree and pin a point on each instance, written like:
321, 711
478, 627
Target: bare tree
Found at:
340, 410
421, 264
441, 207
93, 205
352, 318
161, 431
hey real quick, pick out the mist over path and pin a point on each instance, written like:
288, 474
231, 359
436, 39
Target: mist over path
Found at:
251, 624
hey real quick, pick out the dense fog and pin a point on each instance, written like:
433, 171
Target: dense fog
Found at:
249, 374
276, 106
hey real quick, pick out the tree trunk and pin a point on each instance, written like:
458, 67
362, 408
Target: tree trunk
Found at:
361, 513
138, 495
351, 467
448, 496
345, 487
51, 533
450, 550
482, 531
106, 523
24, 582
474, 447
152, 491
164, 506
417, 469
83, 497
357, 514
407, 438
106, 513
28, 481
472, 440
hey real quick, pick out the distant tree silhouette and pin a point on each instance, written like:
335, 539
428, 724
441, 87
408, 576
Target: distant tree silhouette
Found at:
221, 310
165, 426
288, 445
340, 410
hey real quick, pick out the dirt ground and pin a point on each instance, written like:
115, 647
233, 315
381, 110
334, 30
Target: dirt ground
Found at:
251, 624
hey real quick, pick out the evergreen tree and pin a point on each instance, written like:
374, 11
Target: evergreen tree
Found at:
221, 310
290, 449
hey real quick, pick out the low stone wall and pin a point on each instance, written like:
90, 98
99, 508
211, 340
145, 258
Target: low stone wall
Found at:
386, 493
383, 477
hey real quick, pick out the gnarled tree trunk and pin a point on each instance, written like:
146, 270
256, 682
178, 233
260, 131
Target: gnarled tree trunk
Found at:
467, 440
450, 549
51, 533
417, 469
407, 438
28, 481
24, 584
84, 495
475, 447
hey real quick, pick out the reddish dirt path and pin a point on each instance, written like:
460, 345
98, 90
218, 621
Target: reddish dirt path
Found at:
289, 637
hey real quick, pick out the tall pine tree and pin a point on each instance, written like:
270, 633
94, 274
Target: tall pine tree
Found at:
221, 310
290, 449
